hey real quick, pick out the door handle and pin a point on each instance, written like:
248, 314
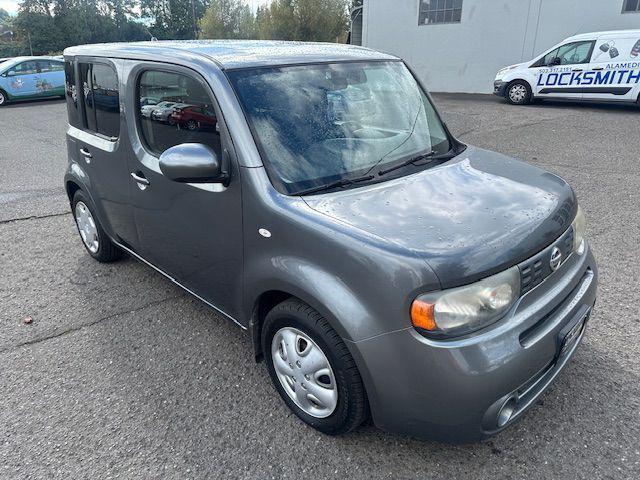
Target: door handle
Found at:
139, 178
577, 70
86, 153
597, 68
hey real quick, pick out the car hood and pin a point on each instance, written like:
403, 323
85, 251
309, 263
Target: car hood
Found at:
468, 218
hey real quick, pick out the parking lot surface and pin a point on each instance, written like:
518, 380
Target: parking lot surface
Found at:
123, 375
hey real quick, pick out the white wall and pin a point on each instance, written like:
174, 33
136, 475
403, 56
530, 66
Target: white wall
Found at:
464, 57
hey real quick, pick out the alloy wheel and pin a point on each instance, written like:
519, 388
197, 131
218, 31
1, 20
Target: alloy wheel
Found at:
304, 372
517, 93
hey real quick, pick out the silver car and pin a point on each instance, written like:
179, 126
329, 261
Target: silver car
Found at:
380, 267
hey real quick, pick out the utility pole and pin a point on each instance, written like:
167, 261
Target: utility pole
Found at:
195, 23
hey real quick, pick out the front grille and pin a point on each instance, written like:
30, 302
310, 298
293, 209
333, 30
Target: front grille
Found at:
534, 270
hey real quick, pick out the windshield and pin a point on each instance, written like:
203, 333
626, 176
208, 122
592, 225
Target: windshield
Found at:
318, 124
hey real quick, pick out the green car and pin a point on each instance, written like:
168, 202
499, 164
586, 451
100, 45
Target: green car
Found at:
24, 78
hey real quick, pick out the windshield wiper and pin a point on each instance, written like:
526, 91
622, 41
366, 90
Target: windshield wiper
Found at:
429, 157
343, 182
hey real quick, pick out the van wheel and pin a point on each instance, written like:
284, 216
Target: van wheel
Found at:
93, 236
312, 368
3, 98
518, 93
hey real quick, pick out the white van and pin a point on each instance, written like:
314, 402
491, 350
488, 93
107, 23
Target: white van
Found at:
601, 66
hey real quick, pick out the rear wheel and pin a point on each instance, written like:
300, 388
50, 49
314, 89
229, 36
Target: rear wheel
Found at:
94, 238
312, 368
3, 98
518, 92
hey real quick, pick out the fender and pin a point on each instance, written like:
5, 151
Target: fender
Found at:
76, 175
322, 291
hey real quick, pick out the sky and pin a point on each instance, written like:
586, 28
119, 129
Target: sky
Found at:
11, 6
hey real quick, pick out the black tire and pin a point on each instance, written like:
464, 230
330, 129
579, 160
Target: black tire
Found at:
107, 251
4, 99
518, 92
192, 125
352, 406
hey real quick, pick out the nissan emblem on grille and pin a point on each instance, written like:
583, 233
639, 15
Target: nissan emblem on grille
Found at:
556, 258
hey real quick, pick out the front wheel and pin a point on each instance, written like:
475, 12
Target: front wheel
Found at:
519, 93
312, 369
3, 98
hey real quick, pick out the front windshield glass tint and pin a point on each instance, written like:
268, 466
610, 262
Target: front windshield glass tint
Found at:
318, 124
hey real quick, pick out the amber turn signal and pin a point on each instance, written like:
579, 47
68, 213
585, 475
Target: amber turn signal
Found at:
422, 315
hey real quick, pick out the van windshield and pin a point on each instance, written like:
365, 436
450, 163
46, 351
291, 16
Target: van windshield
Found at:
319, 125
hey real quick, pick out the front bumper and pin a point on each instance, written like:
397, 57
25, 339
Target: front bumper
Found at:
453, 390
499, 88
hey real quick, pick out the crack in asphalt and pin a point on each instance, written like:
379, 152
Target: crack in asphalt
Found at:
64, 331
480, 130
34, 217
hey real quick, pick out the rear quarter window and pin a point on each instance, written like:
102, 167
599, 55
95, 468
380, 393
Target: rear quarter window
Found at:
101, 96
71, 94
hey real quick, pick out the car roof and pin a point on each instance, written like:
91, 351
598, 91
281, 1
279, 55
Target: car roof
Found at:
235, 53
608, 34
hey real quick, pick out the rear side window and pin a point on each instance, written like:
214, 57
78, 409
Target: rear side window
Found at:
71, 94
46, 66
174, 108
101, 97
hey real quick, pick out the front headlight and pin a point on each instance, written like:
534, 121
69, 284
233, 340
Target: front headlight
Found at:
579, 226
464, 309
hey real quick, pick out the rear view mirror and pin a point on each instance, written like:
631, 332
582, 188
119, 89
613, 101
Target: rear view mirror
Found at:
193, 163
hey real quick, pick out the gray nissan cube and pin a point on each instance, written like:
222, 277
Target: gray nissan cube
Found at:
312, 194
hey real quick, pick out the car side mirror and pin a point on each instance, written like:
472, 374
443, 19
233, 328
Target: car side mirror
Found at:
555, 61
11, 73
194, 163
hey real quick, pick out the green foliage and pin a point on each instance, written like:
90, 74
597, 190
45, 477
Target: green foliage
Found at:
46, 26
305, 20
228, 19
3, 15
173, 19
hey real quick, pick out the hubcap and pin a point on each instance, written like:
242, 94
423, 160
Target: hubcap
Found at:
517, 93
87, 227
304, 372
2, 99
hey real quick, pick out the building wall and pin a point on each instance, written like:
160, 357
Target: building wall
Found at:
464, 57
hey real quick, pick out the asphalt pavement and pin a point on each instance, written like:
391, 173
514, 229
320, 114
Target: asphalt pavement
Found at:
123, 375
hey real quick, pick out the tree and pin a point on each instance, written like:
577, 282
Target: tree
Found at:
48, 26
3, 15
306, 20
228, 19
173, 19
278, 21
